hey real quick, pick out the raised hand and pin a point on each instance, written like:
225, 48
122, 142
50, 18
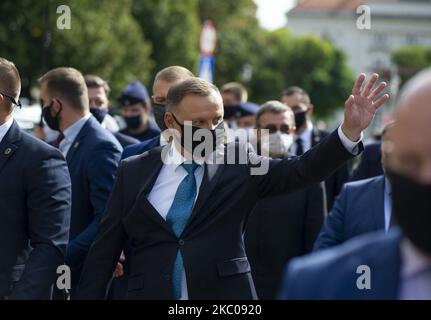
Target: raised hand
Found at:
361, 106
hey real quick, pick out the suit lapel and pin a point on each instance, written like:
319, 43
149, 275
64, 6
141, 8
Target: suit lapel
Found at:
378, 207
154, 162
209, 181
9, 144
75, 146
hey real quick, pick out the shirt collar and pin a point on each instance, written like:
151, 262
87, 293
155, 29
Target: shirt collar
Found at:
175, 158
72, 132
388, 187
413, 261
4, 128
306, 135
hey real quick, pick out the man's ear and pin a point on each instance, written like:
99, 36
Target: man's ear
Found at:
56, 105
169, 120
310, 109
148, 106
6, 103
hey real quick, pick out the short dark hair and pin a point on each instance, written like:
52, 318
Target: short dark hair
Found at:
192, 86
297, 90
275, 107
10, 81
173, 74
67, 84
237, 89
93, 81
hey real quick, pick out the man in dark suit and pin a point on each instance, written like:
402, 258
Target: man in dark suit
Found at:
98, 92
307, 136
396, 265
370, 164
284, 226
164, 79
92, 154
182, 249
362, 206
35, 199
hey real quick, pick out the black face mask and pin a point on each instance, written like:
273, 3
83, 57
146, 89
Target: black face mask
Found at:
411, 202
52, 121
230, 112
217, 131
159, 115
133, 122
99, 114
300, 118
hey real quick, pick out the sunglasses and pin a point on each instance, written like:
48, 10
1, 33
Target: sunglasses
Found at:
272, 128
12, 99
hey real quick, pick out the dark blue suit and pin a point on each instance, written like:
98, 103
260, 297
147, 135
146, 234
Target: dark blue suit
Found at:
140, 148
35, 200
358, 209
93, 160
332, 273
371, 163
118, 290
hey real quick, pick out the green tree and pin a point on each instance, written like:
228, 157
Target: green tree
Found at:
309, 62
410, 60
173, 29
104, 39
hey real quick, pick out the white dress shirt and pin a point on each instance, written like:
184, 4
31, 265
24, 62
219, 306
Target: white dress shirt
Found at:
162, 195
306, 138
415, 275
71, 133
387, 204
4, 128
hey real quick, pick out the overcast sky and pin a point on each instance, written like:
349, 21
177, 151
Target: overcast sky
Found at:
271, 13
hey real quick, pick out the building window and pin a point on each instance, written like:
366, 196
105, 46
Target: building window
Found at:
412, 39
380, 39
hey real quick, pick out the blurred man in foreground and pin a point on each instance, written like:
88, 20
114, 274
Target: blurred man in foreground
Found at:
384, 266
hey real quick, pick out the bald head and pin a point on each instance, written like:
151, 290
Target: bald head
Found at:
411, 137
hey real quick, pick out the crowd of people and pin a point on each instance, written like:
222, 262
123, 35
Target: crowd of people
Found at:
138, 210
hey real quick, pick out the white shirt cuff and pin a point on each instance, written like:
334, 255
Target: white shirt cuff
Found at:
351, 146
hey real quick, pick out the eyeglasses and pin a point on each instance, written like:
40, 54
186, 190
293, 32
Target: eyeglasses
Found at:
12, 99
272, 128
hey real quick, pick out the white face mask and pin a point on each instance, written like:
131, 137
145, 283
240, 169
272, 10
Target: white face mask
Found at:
278, 144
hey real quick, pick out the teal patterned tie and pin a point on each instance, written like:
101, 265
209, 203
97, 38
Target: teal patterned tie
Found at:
177, 218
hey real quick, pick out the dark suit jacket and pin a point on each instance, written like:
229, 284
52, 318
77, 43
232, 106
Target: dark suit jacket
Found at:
149, 133
332, 273
125, 140
141, 147
93, 160
118, 290
35, 199
335, 182
370, 164
358, 209
212, 242
280, 228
